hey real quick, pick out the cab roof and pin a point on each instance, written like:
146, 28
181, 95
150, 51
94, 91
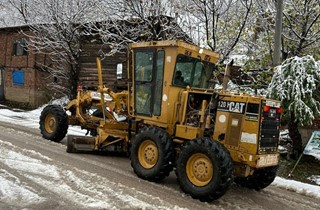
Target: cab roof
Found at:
180, 44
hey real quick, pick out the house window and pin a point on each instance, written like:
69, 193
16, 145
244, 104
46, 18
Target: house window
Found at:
20, 47
18, 77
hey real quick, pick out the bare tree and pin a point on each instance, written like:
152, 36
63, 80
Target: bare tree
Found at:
258, 41
8, 14
224, 22
55, 27
23, 7
1, 17
301, 32
58, 27
127, 21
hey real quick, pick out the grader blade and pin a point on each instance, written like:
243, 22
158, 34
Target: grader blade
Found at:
80, 144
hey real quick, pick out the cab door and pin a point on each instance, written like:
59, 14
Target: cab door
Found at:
148, 80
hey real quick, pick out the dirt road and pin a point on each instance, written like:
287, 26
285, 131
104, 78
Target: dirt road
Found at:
39, 174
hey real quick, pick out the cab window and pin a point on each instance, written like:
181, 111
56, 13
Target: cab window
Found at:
193, 72
143, 65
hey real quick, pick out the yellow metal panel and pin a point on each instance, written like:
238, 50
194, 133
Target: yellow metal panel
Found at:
254, 161
249, 135
234, 129
171, 111
221, 124
188, 132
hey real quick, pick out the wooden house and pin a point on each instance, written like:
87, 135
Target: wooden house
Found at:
23, 80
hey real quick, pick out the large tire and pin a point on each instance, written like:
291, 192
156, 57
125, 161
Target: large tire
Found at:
53, 123
152, 154
204, 169
260, 179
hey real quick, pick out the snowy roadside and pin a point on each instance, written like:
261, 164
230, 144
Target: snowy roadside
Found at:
31, 119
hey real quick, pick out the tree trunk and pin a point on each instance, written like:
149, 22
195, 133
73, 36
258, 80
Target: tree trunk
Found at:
74, 77
295, 136
74, 85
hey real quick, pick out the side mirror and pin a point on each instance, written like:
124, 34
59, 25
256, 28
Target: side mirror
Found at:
119, 71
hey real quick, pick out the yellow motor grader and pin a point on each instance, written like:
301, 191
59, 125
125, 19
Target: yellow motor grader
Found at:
171, 117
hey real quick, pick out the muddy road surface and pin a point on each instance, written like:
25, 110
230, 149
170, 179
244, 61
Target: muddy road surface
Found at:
39, 174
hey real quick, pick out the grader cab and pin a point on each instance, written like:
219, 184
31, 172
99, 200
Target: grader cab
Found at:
171, 117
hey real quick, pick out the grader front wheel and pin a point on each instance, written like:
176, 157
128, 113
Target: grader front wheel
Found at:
50, 123
53, 123
152, 154
204, 169
148, 154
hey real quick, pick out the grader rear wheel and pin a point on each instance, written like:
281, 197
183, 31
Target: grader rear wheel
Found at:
152, 154
260, 179
199, 169
204, 169
53, 123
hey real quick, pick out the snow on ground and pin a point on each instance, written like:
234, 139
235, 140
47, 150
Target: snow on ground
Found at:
299, 187
12, 188
315, 179
31, 119
75, 184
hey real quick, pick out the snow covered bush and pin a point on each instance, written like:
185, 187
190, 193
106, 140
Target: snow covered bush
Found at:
295, 83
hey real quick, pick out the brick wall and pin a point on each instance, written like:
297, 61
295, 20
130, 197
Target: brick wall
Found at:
33, 91
3, 47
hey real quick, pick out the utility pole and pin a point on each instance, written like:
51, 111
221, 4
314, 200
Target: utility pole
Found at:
277, 34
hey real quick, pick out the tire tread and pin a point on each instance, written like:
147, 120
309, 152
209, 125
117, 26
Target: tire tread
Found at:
212, 191
165, 143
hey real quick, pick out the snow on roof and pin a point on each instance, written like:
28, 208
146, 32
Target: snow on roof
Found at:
9, 18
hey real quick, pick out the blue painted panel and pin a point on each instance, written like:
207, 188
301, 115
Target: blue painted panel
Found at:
18, 77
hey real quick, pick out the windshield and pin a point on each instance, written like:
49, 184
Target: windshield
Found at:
193, 72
